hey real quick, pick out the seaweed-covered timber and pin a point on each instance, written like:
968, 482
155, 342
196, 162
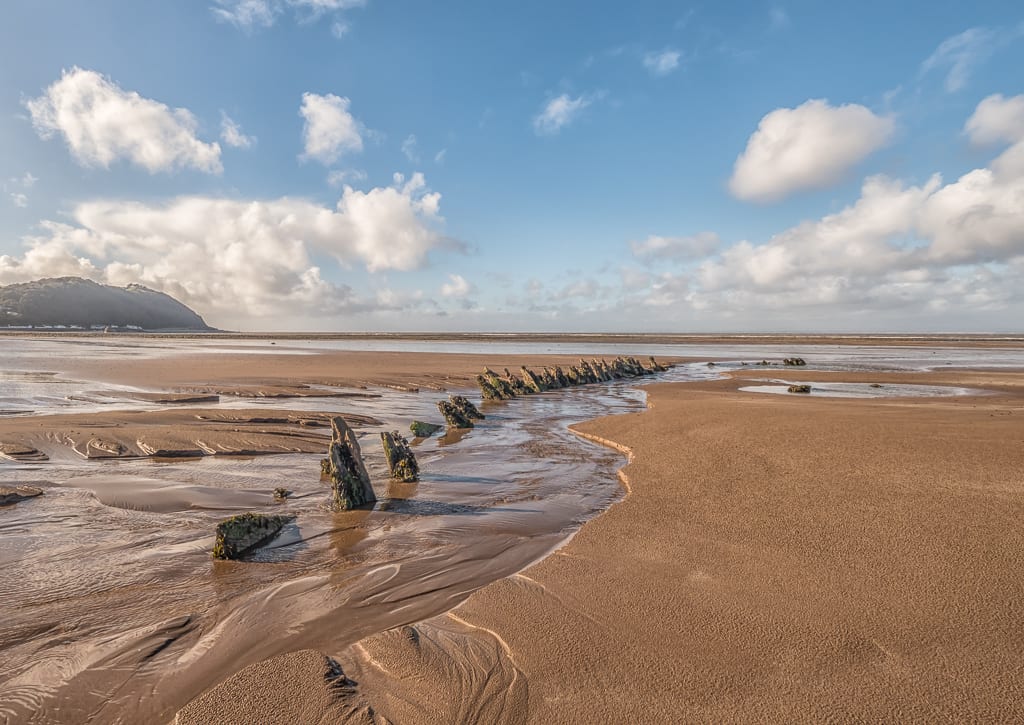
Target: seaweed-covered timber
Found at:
467, 407
401, 461
494, 387
241, 534
350, 482
531, 381
794, 361
425, 430
799, 388
459, 412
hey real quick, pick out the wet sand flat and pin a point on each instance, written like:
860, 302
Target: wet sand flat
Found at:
784, 559
777, 559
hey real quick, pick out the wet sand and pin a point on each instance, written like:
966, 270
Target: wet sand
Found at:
777, 558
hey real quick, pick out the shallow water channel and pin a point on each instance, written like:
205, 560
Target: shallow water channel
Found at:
111, 609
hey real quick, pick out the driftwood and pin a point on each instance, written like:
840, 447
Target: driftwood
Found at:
344, 467
401, 461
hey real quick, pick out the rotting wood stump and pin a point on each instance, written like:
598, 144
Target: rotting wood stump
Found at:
401, 461
350, 483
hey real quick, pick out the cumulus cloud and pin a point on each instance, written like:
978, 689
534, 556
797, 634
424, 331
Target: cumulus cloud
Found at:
330, 130
960, 55
662, 63
102, 123
676, 248
807, 147
235, 258
997, 119
898, 249
231, 133
558, 113
19, 199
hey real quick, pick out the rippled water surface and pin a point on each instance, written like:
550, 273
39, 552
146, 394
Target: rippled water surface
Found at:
113, 610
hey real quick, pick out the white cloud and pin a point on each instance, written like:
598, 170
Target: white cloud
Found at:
409, 148
247, 14
997, 119
440, 156
558, 113
28, 180
251, 14
677, 248
456, 287
235, 258
807, 147
662, 63
19, 200
330, 130
344, 176
231, 133
102, 123
961, 53
900, 251
339, 29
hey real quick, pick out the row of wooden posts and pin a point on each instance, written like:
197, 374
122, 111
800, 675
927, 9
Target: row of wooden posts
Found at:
344, 467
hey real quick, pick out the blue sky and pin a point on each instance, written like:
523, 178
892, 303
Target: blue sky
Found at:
365, 164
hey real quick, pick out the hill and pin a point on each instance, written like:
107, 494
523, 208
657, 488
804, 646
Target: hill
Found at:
77, 302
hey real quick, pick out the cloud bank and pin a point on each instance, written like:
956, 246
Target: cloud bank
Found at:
235, 259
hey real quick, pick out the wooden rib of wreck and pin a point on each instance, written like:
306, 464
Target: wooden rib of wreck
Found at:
459, 412
344, 467
495, 387
401, 461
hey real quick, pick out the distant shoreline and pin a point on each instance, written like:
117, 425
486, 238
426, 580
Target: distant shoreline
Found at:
1013, 339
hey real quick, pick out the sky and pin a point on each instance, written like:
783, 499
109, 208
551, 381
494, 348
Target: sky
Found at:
398, 165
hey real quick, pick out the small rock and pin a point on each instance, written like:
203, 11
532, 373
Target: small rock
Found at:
424, 430
9, 494
241, 534
281, 493
799, 388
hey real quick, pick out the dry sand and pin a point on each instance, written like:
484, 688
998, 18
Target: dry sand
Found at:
778, 558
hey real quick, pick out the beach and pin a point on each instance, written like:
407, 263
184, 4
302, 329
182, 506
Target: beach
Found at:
776, 559
767, 557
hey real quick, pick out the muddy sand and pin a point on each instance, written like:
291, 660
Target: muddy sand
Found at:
777, 558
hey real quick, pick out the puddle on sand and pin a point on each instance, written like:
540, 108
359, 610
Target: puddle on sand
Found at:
863, 390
